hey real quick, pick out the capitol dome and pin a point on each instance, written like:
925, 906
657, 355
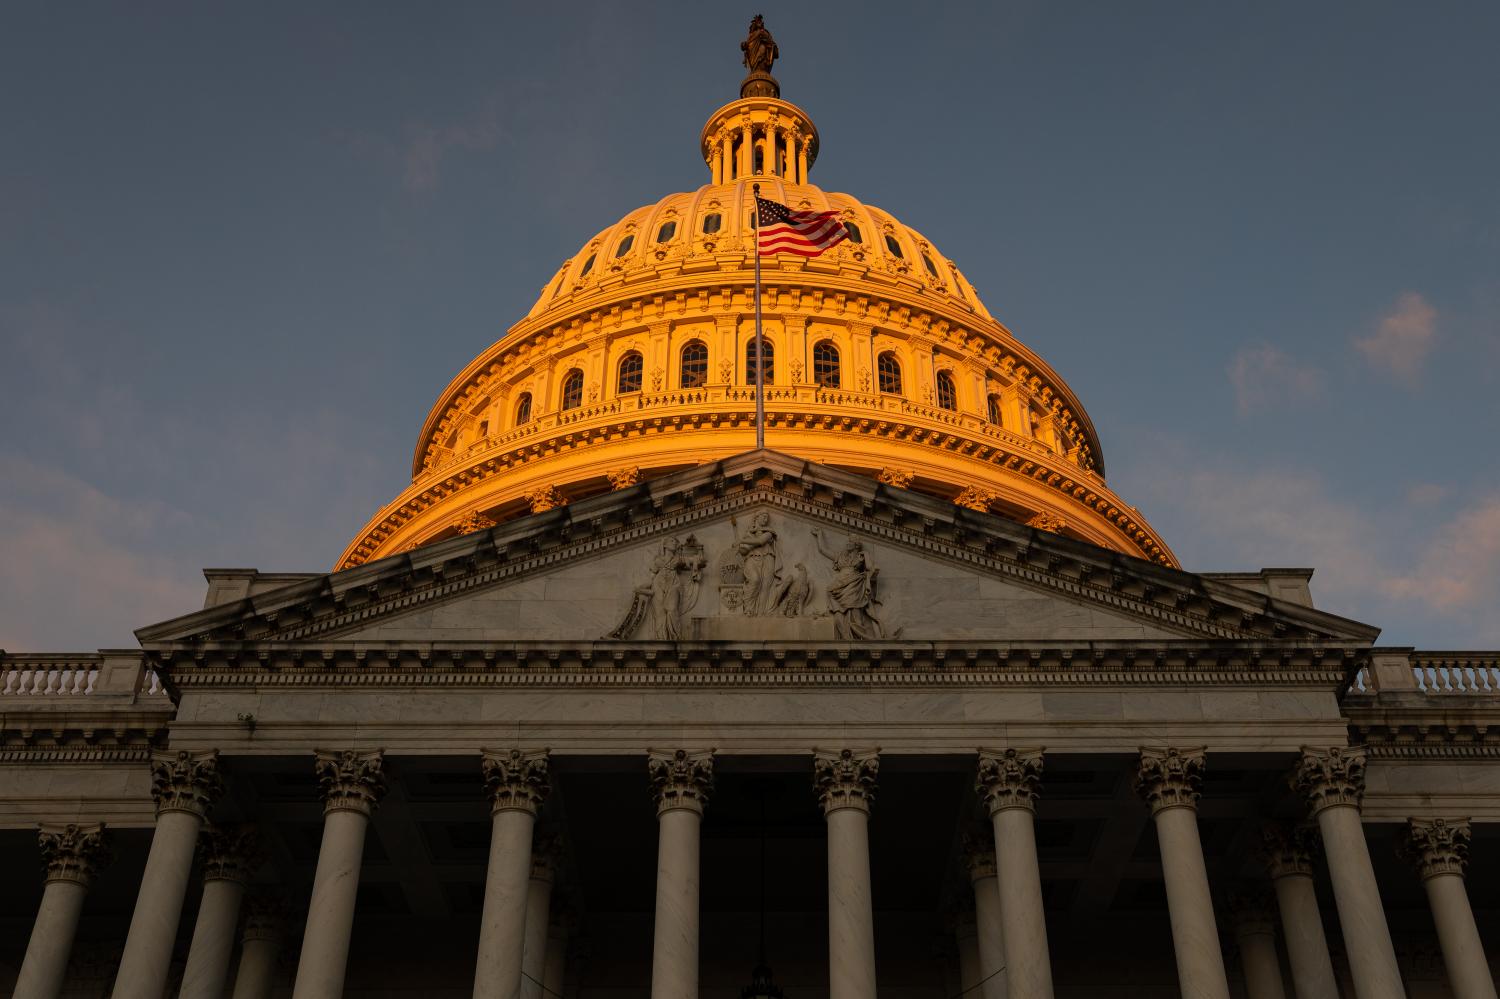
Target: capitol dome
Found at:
637, 360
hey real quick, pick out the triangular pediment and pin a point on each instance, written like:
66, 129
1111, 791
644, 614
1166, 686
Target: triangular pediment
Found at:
761, 547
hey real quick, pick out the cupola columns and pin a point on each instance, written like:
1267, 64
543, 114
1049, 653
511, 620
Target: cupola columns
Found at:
781, 132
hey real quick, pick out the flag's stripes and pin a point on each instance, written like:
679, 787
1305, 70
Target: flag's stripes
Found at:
806, 234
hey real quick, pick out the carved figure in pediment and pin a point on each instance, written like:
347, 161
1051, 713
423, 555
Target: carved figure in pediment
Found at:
851, 592
758, 556
796, 592
662, 603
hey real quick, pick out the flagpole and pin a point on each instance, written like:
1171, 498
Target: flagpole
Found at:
760, 350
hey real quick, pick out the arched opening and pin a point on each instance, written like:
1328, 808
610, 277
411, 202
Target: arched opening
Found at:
628, 377
625, 245
888, 370
947, 391
994, 410
711, 223
694, 367
769, 373
523, 409
825, 364
666, 232
572, 389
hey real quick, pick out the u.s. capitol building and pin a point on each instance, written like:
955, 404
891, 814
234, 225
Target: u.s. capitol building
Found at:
610, 702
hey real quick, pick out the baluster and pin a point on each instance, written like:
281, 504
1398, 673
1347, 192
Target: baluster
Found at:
10, 679
88, 687
28, 682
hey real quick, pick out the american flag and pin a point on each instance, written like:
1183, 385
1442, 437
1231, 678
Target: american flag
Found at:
806, 234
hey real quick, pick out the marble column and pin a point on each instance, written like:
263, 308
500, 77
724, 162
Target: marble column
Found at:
979, 858
538, 919
802, 145
184, 785
517, 783
352, 783
1254, 927
1289, 854
966, 936
1009, 782
681, 782
747, 155
1439, 850
229, 857
260, 947
72, 855
1168, 780
1333, 783
845, 782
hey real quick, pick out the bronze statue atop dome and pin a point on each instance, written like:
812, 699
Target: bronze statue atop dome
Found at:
760, 54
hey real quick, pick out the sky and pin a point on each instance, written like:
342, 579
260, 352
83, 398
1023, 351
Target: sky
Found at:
243, 247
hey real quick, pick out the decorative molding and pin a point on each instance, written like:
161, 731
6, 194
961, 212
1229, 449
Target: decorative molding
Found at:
1326, 778
351, 779
545, 498
681, 779
229, 852
846, 779
1044, 521
1169, 777
975, 498
623, 478
72, 852
1435, 846
516, 780
183, 781
1009, 778
1289, 849
898, 477
473, 521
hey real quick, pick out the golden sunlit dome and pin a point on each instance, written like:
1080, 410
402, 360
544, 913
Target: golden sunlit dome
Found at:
638, 360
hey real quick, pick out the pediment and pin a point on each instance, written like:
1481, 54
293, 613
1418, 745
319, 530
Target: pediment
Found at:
759, 548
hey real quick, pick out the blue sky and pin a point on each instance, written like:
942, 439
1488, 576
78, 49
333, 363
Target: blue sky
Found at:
243, 247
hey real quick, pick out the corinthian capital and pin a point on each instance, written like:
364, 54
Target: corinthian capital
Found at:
1009, 778
350, 780
72, 852
1335, 776
1287, 849
516, 781
845, 779
1170, 777
680, 779
1435, 846
266, 915
979, 851
230, 853
185, 782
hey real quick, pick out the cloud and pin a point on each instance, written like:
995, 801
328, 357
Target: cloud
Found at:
1264, 375
1460, 568
427, 146
1403, 339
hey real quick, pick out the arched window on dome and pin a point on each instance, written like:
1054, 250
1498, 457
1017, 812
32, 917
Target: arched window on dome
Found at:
588, 265
947, 392
825, 364
855, 236
711, 223
628, 377
931, 267
760, 159
994, 410
572, 389
666, 232
694, 367
893, 246
625, 245
770, 362
523, 409
889, 371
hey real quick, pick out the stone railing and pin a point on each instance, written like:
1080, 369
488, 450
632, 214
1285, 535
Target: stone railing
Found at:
1439, 674
64, 676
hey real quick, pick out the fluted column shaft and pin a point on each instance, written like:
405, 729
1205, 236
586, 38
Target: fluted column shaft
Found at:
1169, 781
681, 782
226, 862
260, 947
72, 854
352, 784
1009, 783
845, 783
538, 922
1332, 781
517, 783
1289, 855
979, 857
1439, 850
184, 785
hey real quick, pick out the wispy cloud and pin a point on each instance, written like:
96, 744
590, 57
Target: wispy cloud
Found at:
1403, 338
1264, 375
1459, 570
427, 145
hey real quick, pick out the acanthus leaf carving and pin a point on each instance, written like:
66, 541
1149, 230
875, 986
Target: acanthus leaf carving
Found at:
1435, 846
681, 779
73, 852
350, 779
1170, 777
1335, 776
846, 779
1009, 778
184, 781
516, 780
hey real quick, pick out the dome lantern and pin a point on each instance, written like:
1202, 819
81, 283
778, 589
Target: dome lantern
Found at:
759, 135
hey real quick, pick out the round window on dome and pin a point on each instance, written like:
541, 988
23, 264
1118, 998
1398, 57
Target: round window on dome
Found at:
893, 246
711, 223
666, 232
625, 245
